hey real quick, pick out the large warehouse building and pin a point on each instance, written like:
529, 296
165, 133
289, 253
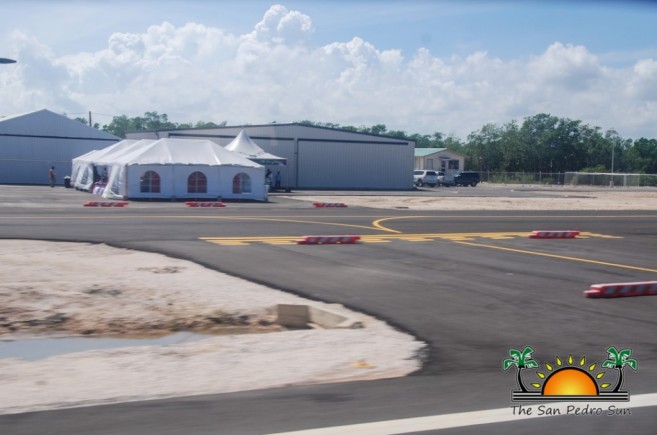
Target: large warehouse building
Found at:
33, 142
318, 157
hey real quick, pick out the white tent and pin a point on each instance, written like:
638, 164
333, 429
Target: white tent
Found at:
243, 145
88, 168
179, 169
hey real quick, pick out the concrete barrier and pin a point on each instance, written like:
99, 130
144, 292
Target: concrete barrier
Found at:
553, 234
623, 289
328, 240
204, 204
105, 204
328, 204
303, 316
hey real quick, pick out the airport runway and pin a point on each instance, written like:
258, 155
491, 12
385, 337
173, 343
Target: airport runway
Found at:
470, 284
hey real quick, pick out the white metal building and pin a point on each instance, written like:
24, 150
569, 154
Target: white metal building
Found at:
31, 143
319, 157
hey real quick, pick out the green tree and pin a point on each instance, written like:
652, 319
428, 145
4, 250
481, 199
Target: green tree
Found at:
119, 125
204, 124
483, 150
642, 156
378, 129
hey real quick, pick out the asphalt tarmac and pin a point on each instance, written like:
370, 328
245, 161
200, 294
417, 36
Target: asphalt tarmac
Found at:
470, 284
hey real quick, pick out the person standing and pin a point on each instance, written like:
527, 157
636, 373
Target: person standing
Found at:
268, 180
278, 180
52, 175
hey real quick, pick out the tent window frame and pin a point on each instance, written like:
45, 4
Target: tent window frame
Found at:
149, 182
197, 182
242, 183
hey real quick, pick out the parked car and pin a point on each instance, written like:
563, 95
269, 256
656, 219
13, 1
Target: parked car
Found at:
466, 178
422, 177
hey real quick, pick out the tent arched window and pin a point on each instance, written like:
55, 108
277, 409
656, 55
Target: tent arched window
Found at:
149, 182
241, 183
197, 182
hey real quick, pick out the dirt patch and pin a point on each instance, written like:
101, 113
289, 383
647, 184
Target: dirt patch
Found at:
557, 198
77, 289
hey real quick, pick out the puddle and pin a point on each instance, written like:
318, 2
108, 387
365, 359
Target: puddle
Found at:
41, 348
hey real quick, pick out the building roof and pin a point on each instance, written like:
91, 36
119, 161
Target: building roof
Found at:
423, 152
47, 124
172, 131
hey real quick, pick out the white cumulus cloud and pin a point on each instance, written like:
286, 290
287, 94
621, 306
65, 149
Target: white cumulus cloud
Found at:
275, 72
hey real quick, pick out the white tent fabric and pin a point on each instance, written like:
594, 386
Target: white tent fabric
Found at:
243, 145
179, 169
89, 167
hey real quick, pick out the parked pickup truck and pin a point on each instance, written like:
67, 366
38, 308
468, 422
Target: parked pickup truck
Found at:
465, 178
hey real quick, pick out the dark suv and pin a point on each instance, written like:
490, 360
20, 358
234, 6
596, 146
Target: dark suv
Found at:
466, 178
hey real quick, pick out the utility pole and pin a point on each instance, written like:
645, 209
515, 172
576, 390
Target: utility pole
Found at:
90, 124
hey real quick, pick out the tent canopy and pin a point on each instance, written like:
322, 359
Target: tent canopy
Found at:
183, 152
170, 168
85, 167
243, 145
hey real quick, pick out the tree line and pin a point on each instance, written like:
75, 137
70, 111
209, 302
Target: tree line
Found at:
540, 143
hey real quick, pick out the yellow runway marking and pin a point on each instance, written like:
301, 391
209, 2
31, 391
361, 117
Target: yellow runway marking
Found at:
561, 257
384, 238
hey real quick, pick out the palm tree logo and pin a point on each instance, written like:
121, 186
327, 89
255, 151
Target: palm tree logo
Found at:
618, 360
522, 360
570, 379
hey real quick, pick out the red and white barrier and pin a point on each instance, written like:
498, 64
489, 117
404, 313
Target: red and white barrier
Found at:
328, 204
553, 234
623, 289
105, 204
204, 204
328, 240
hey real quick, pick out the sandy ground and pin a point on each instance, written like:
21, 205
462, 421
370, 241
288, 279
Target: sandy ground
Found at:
536, 198
69, 289
77, 289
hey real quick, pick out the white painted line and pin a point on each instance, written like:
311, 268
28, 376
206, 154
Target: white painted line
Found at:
447, 421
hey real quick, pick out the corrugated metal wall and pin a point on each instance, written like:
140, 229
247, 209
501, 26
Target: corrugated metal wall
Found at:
321, 158
30, 144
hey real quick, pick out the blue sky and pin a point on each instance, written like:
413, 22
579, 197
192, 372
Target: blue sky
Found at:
448, 66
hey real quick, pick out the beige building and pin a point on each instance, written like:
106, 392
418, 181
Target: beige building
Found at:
439, 159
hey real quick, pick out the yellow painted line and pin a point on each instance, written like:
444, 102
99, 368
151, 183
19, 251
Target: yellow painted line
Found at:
244, 241
237, 218
384, 238
41, 216
442, 236
561, 257
251, 238
377, 223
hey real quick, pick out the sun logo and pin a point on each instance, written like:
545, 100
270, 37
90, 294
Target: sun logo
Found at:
570, 379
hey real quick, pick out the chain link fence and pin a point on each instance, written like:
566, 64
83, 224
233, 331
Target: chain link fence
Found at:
603, 179
547, 178
570, 178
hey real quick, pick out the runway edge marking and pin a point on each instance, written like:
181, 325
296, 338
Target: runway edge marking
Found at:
448, 421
